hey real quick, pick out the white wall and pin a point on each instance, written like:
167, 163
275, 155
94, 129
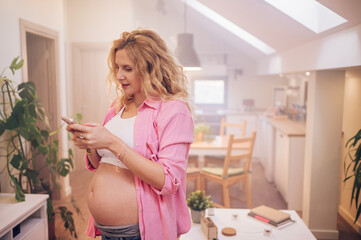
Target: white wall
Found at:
94, 22
98, 21
211, 48
31, 10
339, 50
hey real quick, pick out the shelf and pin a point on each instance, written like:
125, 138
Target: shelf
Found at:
29, 227
30, 214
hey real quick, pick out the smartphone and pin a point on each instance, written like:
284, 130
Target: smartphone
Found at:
68, 120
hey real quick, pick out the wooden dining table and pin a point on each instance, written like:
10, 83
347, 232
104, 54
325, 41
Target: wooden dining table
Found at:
215, 145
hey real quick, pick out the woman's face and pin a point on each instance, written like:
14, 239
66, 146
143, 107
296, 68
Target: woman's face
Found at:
126, 74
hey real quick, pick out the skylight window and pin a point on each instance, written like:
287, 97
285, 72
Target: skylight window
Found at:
309, 13
230, 26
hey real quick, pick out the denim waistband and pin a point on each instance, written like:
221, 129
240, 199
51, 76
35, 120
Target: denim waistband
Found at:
119, 231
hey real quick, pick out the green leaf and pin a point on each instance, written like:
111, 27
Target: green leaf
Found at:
34, 143
42, 149
13, 65
27, 91
13, 62
32, 110
50, 209
2, 127
18, 162
358, 213
19, 193
32, 175
70, 153
15, 161
19, 64
14, 120
45, 134
35, 133
356, 138
63, 166
78, 117
24, 133
67, 217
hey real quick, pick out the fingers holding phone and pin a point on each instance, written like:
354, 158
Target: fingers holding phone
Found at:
68, 120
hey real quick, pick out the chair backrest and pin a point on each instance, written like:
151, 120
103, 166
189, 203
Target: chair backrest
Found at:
241, 127
233, 155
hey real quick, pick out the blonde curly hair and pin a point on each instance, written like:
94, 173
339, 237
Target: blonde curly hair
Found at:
161, 78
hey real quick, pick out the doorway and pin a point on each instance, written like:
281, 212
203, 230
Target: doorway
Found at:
39, 51
41, 71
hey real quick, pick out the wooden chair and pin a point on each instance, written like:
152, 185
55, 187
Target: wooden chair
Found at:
239, 128
229, 174
194, 174
193, 161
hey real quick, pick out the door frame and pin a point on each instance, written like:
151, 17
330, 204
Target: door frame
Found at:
33, 28
29, 27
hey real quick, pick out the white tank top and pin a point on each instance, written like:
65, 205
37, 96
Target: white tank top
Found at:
122, 128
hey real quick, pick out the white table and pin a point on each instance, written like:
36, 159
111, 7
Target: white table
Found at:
30, 214
249, 228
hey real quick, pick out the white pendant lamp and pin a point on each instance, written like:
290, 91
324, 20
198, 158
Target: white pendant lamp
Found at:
185, 52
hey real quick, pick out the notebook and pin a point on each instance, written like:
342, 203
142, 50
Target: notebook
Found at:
270, 215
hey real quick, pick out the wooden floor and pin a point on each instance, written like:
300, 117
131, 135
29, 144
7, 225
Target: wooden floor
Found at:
263, 192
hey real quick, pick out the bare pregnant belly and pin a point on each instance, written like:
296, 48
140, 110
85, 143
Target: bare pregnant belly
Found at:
112, 198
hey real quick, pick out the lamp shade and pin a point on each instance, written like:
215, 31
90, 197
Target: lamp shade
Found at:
186, 53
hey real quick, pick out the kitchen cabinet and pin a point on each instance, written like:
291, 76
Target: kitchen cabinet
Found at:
266, 147
289, 165
283, 158
23, 220
281, 163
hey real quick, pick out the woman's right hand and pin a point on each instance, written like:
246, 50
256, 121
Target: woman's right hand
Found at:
77, 137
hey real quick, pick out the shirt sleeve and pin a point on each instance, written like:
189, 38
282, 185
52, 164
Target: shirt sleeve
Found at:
175, 132
88, 165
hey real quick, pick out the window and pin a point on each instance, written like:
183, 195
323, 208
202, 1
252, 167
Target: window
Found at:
210, 92
230, 26
309, 13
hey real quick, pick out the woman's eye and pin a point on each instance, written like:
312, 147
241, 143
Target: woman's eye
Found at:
128, 69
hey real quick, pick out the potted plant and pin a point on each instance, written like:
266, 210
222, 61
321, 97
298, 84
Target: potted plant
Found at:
354, 166
198, 202
23, 139
201, 129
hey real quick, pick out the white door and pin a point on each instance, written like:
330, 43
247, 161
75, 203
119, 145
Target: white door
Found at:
88, 87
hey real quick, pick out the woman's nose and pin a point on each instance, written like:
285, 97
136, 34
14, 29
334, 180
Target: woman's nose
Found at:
120, 75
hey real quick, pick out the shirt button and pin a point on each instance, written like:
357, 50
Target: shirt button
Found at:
137, 144
138, 189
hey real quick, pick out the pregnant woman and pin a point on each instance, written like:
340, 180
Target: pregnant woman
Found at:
139, 154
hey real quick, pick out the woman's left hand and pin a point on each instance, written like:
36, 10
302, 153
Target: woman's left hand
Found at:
93, 135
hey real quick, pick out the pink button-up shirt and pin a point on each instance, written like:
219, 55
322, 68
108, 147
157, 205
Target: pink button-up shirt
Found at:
163, 132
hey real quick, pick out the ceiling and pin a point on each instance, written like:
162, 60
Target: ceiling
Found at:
269, 24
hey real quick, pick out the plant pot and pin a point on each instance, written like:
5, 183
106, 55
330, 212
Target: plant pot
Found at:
196, 216
199, 137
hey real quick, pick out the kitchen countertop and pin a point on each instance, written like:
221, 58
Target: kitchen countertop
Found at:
222, 112
288, 127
